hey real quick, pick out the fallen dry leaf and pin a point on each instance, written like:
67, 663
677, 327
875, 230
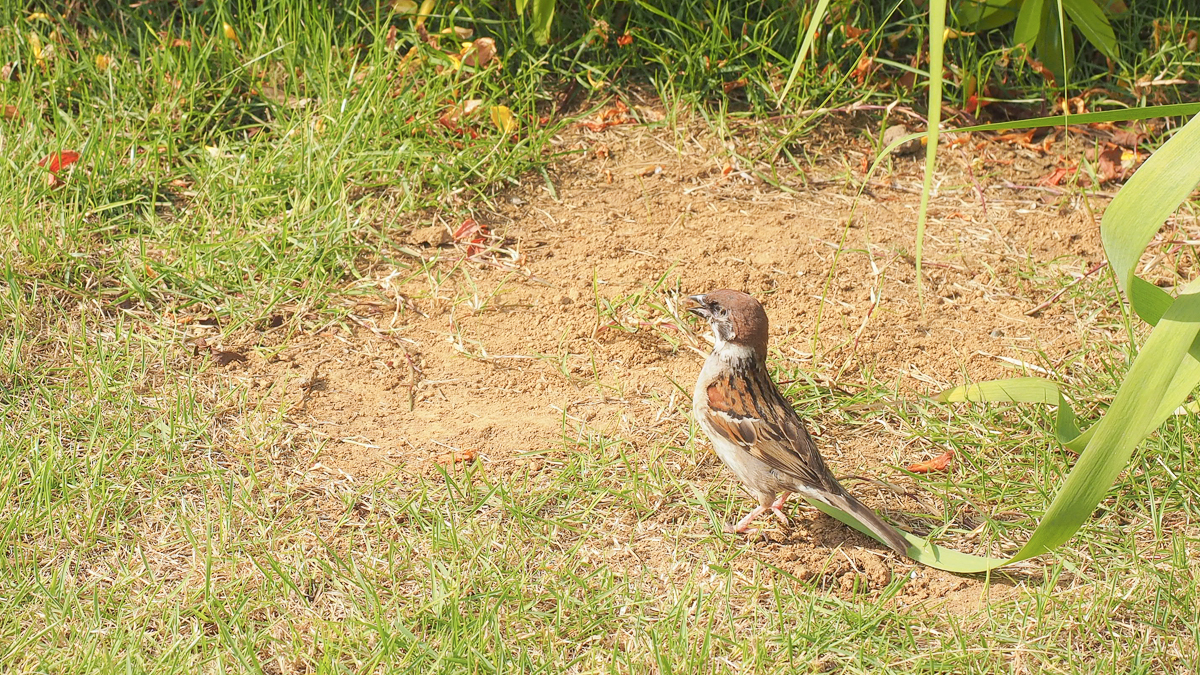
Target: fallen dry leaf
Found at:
10, 112
39, 52
57, 161
853, 34
504, 119
861, 71
481, 52
472, 233
617, 114
1109, 164
1040, 68
455, 113
173, 42
455, 457
939, 463
1057, 176
1126, 138
1024, 137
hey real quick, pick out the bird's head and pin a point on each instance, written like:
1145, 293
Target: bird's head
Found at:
735, 318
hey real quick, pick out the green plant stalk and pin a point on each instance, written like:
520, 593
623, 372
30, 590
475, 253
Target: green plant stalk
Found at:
817, 18
937, 33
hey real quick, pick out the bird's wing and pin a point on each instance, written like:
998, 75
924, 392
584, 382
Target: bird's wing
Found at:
749, 412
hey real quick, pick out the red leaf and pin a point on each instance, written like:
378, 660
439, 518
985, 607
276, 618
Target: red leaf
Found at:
1057, 176
58, 161
939, 463
469, 226
473, 233
625, 40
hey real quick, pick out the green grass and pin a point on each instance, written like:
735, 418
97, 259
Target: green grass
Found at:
156, 519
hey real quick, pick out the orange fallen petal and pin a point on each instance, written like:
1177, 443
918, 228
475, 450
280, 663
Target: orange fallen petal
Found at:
57, 161
939, 463
455, 457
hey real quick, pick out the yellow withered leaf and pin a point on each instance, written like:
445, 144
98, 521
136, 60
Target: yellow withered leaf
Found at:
35, 45
426, 10
504, 119
230, 34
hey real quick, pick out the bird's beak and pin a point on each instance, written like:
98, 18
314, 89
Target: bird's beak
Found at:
701, 307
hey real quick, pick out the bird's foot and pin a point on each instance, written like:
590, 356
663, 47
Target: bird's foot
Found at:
777, 508
744, 523
779, 514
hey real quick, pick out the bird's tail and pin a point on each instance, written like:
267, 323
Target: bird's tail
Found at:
888, 534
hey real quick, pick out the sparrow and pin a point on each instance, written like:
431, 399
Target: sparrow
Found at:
753, 429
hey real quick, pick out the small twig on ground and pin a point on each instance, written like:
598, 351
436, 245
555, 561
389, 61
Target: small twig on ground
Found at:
1095, 268
978, 188
1054, 191
310, 383
413, 372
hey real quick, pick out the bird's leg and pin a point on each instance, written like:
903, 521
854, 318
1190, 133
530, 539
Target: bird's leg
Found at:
777, 507
744, 523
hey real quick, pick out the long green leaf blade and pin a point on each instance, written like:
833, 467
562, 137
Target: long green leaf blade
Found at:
1029, 22
1094, 25
1122, 428
543, 17
1148, 199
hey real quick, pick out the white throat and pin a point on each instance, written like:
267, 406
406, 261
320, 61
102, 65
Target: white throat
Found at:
729, 351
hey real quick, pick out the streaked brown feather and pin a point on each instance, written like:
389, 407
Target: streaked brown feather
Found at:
748, 410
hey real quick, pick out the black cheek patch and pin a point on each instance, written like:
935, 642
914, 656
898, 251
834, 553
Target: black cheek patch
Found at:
724, 331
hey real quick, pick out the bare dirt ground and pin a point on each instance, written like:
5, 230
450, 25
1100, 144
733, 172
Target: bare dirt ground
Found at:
572, 325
